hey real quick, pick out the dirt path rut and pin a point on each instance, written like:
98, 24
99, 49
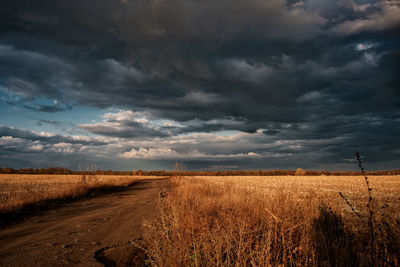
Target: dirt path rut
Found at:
72, 234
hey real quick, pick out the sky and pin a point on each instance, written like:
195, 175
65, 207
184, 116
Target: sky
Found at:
216, 85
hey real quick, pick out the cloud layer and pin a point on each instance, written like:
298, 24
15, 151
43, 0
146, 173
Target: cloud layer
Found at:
246, 84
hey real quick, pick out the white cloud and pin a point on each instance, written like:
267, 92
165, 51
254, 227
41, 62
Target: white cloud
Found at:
364, 46
129, 124
169, 153
36, 147
44, 134
120, 115
63, 148
10, 141
151, 153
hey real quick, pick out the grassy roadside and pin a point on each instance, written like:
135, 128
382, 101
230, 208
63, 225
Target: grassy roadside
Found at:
206, 224
24, 203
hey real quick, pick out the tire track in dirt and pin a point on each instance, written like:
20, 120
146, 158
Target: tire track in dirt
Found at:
73, 233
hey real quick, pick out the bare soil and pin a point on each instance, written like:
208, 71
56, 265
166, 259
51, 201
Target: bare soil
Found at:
75, 233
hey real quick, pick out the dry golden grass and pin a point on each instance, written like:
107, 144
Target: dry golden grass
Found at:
275, 221
20, 190
386, 189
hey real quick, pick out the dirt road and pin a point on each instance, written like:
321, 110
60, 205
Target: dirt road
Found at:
72, 234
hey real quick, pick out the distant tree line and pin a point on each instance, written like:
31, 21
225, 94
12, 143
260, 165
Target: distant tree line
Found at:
60, 170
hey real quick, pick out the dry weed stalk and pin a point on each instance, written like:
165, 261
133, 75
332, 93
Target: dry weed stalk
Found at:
382, 244
370, 211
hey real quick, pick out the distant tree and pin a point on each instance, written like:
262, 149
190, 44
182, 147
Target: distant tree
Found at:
179, 169
300, 172
179, 166
324, 172
8, 170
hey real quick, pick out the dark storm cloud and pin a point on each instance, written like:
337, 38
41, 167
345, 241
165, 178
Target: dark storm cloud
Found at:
45, 137
128, 125
48, 108
295, 70
124, 129
50, 122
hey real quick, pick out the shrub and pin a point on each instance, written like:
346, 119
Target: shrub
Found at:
300, 172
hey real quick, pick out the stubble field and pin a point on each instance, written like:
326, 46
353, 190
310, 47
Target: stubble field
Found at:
386, 189
276, 221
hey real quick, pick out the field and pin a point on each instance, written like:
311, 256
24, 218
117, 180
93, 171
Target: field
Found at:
244, 220
276, 221
386, 189
21, 190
